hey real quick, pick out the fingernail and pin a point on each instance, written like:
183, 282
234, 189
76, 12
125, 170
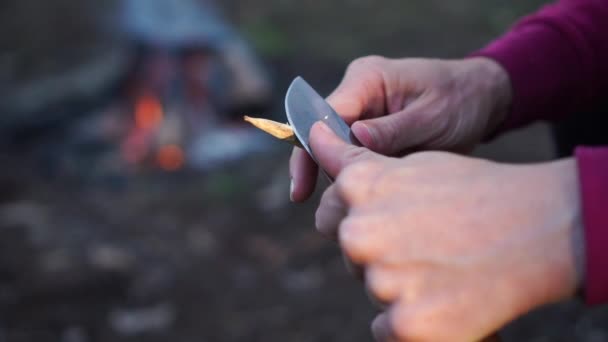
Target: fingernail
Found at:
291, 187
363, 134
323, 126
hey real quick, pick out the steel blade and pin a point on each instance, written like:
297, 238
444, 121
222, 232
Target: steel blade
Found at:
305, 107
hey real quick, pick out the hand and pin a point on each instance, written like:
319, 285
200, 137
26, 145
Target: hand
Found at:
398, 106
453, 247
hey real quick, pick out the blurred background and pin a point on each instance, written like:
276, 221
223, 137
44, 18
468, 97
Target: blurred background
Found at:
136, 206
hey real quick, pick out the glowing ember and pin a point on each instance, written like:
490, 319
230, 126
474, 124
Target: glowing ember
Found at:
170, 158
148, 112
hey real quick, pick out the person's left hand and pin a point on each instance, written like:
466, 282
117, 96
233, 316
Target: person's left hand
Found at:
453, 247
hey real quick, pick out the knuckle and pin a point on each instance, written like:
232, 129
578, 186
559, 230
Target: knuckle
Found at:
357, 155
366, 62
355, 179
351, 234
351, 227
382, 285
424, 69
388, 181
363, 167
391, 133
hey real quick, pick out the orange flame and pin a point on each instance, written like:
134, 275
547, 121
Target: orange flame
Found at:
170, 158
148, 112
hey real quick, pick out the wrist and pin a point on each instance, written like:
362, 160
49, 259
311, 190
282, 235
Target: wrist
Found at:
493, 82
556, 270
566, 174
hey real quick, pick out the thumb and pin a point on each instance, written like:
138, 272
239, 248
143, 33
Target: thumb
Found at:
332, 153
399, 131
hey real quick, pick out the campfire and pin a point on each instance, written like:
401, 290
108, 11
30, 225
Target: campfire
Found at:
144, 143
147, 94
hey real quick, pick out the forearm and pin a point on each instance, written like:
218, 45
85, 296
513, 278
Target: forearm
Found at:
555, 59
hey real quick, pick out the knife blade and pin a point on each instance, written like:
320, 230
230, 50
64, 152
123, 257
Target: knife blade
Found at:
304, 107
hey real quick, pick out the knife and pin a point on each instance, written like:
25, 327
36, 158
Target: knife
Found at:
305, 107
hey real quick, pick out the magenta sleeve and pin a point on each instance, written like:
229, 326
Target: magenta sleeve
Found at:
593, 173
557, 60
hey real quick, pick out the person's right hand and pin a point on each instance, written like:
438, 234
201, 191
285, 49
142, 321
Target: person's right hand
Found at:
451, 247
399, 106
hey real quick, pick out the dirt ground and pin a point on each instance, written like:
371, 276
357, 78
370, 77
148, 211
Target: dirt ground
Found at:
223, 255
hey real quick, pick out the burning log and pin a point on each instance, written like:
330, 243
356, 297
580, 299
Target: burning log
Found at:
278, 130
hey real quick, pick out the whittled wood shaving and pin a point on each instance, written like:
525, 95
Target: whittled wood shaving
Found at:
278, 130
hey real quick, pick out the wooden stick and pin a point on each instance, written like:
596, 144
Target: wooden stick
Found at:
276, 129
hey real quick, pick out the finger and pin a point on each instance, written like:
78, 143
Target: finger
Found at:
361, 92
363, 239
383, 285
403, 324
332, 153
303, 172
381, 328
347, 103
330, 213
418, 123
